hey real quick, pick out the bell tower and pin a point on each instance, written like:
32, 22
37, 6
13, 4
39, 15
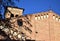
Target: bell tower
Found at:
13, 12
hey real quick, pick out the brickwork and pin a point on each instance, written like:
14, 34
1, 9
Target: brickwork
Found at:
45, 26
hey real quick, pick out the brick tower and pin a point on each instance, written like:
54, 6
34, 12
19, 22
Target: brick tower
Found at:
43, 26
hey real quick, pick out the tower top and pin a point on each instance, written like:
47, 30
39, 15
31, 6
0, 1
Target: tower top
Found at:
13, 11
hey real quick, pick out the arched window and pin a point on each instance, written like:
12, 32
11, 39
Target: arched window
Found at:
12, 15
20, 22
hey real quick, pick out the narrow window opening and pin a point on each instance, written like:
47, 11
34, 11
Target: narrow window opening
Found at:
16, 16
12, 15
20, 22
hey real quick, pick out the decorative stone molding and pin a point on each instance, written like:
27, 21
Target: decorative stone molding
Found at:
11, 31
44, 16
15, 33
19, 36
1, 27
36, 18
47, 15
53, 16
59, 19
41, 17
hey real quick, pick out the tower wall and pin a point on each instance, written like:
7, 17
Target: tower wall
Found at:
46, 26
13, 12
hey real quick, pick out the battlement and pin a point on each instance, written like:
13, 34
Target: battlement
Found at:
45, 15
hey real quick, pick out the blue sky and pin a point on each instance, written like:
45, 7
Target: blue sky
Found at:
34, 6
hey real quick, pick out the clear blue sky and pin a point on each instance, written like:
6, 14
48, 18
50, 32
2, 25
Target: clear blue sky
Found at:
34, 6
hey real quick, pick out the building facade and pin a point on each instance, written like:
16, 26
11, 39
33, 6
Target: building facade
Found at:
43, 26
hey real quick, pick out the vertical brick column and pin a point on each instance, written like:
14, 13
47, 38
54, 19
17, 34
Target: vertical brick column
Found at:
51, 27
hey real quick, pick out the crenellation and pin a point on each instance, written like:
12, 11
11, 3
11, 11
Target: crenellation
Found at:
44, 16
56, 17
59, 19
47, 15
36, 18
53, 16
41, 17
